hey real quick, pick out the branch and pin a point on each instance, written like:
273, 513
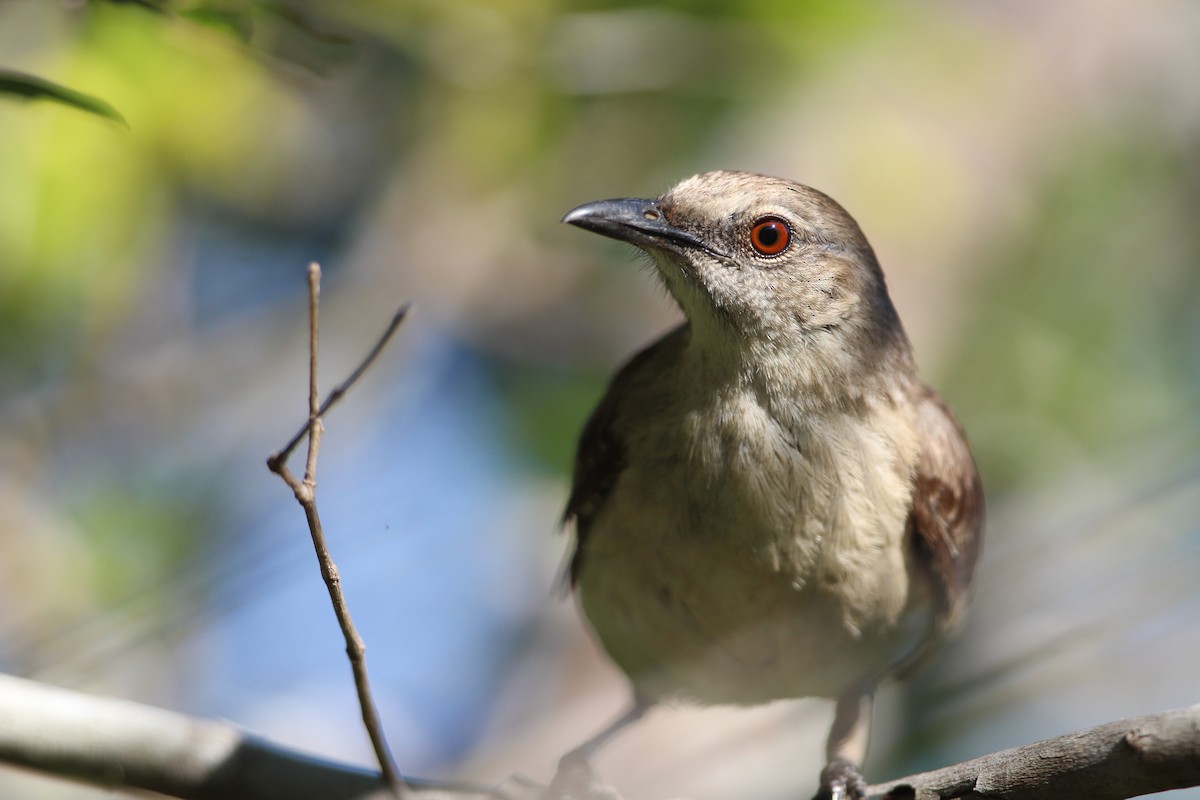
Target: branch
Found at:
1120, 759
340, 390
121, 744
306, 494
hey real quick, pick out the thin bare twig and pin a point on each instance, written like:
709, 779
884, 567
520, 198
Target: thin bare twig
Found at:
316, 428
305, 492
340, 390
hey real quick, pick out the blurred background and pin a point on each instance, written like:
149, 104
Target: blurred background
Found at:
1028, 172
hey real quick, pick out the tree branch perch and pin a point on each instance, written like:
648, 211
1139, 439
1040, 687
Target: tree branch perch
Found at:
1127, 758
119, 744
122, 744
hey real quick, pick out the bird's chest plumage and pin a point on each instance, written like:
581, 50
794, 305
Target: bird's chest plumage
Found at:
742, 557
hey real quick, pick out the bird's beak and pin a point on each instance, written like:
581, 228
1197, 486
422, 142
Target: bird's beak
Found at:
632, 220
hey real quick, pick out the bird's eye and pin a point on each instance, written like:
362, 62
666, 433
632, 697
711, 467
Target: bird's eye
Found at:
770, 236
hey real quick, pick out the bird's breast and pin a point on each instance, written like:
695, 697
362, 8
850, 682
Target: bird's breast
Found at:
742, 557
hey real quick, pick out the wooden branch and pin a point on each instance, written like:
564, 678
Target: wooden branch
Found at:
119, 744
340, 390
306, 494
1120, 759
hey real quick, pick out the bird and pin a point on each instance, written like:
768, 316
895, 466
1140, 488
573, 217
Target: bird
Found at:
767, 502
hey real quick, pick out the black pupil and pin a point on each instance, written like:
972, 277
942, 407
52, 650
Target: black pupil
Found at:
768, 235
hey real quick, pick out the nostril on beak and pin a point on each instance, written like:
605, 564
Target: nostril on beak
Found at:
651, 214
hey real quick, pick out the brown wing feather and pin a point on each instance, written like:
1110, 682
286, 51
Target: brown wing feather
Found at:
946, 519
598, 462
601, 454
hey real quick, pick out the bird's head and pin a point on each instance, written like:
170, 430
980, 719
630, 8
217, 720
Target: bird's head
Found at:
760, 260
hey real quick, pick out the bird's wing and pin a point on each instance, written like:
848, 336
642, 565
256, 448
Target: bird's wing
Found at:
600, 458
945, 522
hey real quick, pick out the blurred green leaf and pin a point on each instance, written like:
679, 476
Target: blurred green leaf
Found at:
149, 5
29, 87
287, 35
547, 409
1079, 347
137, 532
305, 25
238, 24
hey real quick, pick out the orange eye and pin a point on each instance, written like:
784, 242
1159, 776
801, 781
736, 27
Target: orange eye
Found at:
770, 236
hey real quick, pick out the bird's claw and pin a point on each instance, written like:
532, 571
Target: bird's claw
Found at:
576, 779
841, 780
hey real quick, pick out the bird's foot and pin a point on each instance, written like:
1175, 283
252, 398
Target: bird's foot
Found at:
841, 780
576, 779
518, 787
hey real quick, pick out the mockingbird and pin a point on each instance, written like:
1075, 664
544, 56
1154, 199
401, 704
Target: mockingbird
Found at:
768, 503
